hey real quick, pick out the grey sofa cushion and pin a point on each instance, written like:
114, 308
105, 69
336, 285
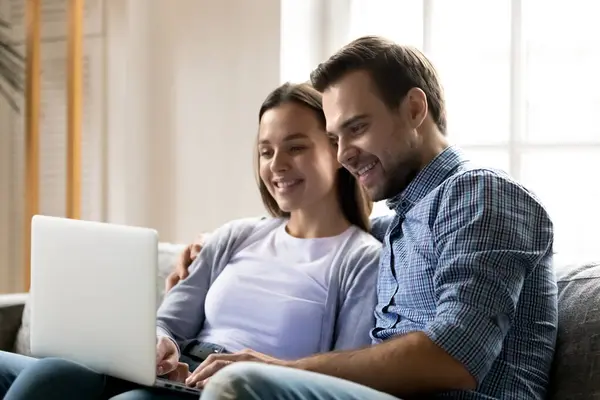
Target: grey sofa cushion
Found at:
22, 342
576, 369
10, 321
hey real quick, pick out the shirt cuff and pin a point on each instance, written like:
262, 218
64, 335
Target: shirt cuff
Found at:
468, 335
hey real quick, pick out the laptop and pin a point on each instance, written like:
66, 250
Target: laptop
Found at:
94, 297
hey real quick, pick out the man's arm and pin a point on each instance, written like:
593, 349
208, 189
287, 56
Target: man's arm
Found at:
404, 366
489, 233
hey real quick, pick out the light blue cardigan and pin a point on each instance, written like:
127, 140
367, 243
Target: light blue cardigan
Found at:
350, 304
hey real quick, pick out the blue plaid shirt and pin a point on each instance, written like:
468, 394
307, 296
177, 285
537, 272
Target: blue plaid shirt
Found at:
467, 260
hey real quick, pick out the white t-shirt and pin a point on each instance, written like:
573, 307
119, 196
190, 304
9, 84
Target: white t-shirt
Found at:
278, 284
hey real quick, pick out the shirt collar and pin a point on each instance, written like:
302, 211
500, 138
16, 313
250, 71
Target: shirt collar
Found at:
430, 177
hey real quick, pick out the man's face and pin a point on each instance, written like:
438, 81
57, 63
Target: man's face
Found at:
379, 145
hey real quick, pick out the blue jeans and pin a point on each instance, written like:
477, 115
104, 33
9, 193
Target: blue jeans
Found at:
24, 377
252, 381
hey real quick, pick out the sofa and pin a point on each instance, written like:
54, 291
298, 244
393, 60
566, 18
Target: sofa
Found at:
576, 369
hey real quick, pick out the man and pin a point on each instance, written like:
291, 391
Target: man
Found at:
466, 293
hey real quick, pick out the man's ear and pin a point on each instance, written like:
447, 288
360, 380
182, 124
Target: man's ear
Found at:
415, 103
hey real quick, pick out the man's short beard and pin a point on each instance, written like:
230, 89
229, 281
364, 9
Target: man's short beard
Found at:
398, 179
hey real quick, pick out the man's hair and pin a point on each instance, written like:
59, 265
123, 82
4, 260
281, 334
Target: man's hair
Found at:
354, 201
395, 69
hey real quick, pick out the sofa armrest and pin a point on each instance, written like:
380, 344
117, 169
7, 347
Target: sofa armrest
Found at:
11, 312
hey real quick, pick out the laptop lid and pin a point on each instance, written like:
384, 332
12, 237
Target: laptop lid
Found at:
94, 295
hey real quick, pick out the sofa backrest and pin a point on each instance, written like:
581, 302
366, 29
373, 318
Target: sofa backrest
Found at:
576, 369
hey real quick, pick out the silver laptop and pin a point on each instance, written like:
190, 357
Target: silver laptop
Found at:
94, 297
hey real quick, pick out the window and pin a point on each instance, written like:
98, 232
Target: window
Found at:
522, 90
300, 39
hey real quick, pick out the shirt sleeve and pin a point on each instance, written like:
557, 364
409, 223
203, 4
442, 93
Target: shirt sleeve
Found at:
489, 233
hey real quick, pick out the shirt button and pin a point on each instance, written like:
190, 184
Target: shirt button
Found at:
404, 204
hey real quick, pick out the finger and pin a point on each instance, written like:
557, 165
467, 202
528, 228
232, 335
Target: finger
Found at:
195, 250
231, 357
179, 374
185, 259
165, 350
161, 351
201, 374
200, 385
167, 365
171, 281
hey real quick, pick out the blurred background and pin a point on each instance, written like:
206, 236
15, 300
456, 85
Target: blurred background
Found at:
170, 91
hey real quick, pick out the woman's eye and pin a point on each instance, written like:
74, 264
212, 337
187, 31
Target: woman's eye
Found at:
265, 153
297, 149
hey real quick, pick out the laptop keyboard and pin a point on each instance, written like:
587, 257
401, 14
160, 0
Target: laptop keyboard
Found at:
180, 387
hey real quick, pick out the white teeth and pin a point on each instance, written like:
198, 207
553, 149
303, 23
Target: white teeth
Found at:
285, 184
366, 168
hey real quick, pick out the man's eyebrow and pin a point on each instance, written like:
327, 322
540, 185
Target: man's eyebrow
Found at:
350, 121
293, 136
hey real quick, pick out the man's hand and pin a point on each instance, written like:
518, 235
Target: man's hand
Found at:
186, 258
167, 356
215, 362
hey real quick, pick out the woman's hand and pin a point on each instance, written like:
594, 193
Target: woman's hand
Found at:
179, 374
215, 362
167, 356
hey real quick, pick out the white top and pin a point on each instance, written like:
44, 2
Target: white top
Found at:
279, 285
269, 299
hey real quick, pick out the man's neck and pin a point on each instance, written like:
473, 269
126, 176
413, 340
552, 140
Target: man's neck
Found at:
434, 143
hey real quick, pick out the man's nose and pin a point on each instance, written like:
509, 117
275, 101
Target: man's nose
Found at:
346, 153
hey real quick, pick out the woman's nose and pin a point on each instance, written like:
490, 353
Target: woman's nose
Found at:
279, 163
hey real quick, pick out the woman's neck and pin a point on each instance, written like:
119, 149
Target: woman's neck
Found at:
324, 219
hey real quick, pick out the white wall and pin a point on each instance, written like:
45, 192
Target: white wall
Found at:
181, 83
185, 80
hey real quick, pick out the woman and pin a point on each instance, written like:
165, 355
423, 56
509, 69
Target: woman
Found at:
289, 286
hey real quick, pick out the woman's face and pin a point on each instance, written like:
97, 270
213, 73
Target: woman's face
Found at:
297, 161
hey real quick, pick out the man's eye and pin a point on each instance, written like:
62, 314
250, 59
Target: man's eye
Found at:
296, 149
357, 129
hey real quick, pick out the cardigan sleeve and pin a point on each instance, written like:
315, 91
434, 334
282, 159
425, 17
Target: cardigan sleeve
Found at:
181, 315
355, 316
